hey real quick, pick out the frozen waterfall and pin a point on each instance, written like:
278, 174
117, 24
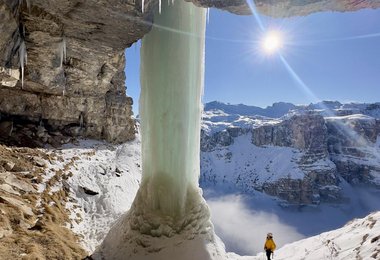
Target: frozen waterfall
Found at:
170, 106
169, 219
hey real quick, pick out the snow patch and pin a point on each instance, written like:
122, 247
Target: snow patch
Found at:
251, 164
104, 182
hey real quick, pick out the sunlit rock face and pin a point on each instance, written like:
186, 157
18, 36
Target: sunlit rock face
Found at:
307, 133
74, 77
353, 143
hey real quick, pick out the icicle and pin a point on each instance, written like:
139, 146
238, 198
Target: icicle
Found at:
142, 6
28, 5
62, 51
23, 60
81, 120
159, 6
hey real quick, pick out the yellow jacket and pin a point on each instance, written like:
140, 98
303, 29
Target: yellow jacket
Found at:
269, 244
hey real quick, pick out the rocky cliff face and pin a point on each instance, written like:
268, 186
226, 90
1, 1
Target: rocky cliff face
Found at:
62, 62
301, 158
353, 143
307, 133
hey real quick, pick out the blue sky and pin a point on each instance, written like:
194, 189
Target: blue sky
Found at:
320, 48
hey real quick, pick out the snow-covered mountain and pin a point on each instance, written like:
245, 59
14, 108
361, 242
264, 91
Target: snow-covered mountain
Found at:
276, 110
299, 157
280, 109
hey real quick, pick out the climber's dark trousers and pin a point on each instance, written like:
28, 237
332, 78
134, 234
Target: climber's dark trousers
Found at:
269, 252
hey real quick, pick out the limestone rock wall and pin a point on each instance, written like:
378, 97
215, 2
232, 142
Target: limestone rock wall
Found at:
305, 132
74, 64
353, 146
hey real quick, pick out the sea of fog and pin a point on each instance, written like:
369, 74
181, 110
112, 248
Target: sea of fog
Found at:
243, 220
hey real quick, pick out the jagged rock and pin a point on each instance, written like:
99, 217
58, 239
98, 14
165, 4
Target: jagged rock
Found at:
295, 132
39, 162
89, 191
312, 189
12, 180
118, 172
22, 206
351, 140
8, 165
7, 188
5, 232
6, 128
41, 131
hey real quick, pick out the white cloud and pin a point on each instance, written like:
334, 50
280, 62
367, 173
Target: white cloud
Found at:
243, 230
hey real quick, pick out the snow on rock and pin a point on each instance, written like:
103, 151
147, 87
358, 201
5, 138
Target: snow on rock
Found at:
285, 172
217, 120
243, 160
104, 182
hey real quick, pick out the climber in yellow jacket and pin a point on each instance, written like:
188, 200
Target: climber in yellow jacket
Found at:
269, 246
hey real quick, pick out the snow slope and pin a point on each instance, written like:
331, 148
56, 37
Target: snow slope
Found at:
359, 239
104, 182
245, 166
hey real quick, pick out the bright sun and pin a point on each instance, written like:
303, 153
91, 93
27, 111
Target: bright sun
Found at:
271, 42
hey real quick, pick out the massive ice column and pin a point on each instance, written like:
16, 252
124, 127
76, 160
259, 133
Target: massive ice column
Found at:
169, 219
172, 68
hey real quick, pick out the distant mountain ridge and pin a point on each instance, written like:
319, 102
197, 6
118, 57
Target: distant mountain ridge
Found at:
279, 109
276, 110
